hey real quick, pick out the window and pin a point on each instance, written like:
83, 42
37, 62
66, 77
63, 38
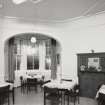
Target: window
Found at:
32, 62
33, 57
18, 62
48, 63
29, 62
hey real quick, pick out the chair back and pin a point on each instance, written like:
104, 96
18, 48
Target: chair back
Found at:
50, 90
21, 78
76, 88
32, 81
4, 89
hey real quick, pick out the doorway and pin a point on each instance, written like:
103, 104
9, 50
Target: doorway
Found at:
31, 52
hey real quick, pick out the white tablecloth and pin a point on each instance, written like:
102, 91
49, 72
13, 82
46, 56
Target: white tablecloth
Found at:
101, 90
61, 84
34, 76
3, 84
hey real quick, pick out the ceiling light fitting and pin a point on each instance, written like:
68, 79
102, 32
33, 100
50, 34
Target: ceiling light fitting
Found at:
22, 1
33, 40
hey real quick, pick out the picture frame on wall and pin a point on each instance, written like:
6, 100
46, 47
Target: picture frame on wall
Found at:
94, 63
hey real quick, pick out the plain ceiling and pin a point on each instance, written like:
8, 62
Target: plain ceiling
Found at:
52, 9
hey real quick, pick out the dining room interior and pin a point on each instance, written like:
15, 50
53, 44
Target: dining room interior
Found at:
52, 52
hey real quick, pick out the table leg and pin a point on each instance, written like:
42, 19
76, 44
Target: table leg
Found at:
68, 99
13, 94
44, 98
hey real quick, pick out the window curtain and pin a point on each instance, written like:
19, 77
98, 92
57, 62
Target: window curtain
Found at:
53, 60
42, 54
11, 61
6, 76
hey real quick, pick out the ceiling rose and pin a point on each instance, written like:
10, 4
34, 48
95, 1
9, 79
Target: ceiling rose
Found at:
22, 1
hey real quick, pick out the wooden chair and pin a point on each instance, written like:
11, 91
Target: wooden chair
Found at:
101, 99
31, 83
41, 82
4, 95
51, 94
23, 84
12, 91
73, 94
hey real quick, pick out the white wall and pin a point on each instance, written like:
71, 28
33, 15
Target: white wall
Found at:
75, 36
1, 52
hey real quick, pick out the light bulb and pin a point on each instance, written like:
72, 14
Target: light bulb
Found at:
33, 40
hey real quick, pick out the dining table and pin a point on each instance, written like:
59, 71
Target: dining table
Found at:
101, 90
33, 80
61, 85
37, 76
100, 96
3, 84
11, 87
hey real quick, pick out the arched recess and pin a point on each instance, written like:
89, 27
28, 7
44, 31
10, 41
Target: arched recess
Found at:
18, 47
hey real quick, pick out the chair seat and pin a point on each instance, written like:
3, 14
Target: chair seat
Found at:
101, 99
31, 84
70, 93
4, 95
51, 94
73, 94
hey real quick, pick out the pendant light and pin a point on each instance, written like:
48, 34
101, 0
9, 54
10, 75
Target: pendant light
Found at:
33, 39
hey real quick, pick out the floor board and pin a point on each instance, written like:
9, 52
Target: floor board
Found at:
36, 98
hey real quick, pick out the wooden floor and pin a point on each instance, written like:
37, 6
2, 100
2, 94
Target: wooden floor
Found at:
36, 98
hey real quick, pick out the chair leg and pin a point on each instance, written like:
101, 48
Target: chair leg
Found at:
68, 100
61, 98
78, 100
35, 87
74, 100
64, 99
8, 97
21, 89
13, 96
44, 98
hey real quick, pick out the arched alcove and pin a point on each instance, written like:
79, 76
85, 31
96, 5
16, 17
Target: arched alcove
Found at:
23, 56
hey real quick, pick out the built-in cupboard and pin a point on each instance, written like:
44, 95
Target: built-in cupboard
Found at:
91, 72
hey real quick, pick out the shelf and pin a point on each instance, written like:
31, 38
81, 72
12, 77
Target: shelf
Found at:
92, 71
90, 78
